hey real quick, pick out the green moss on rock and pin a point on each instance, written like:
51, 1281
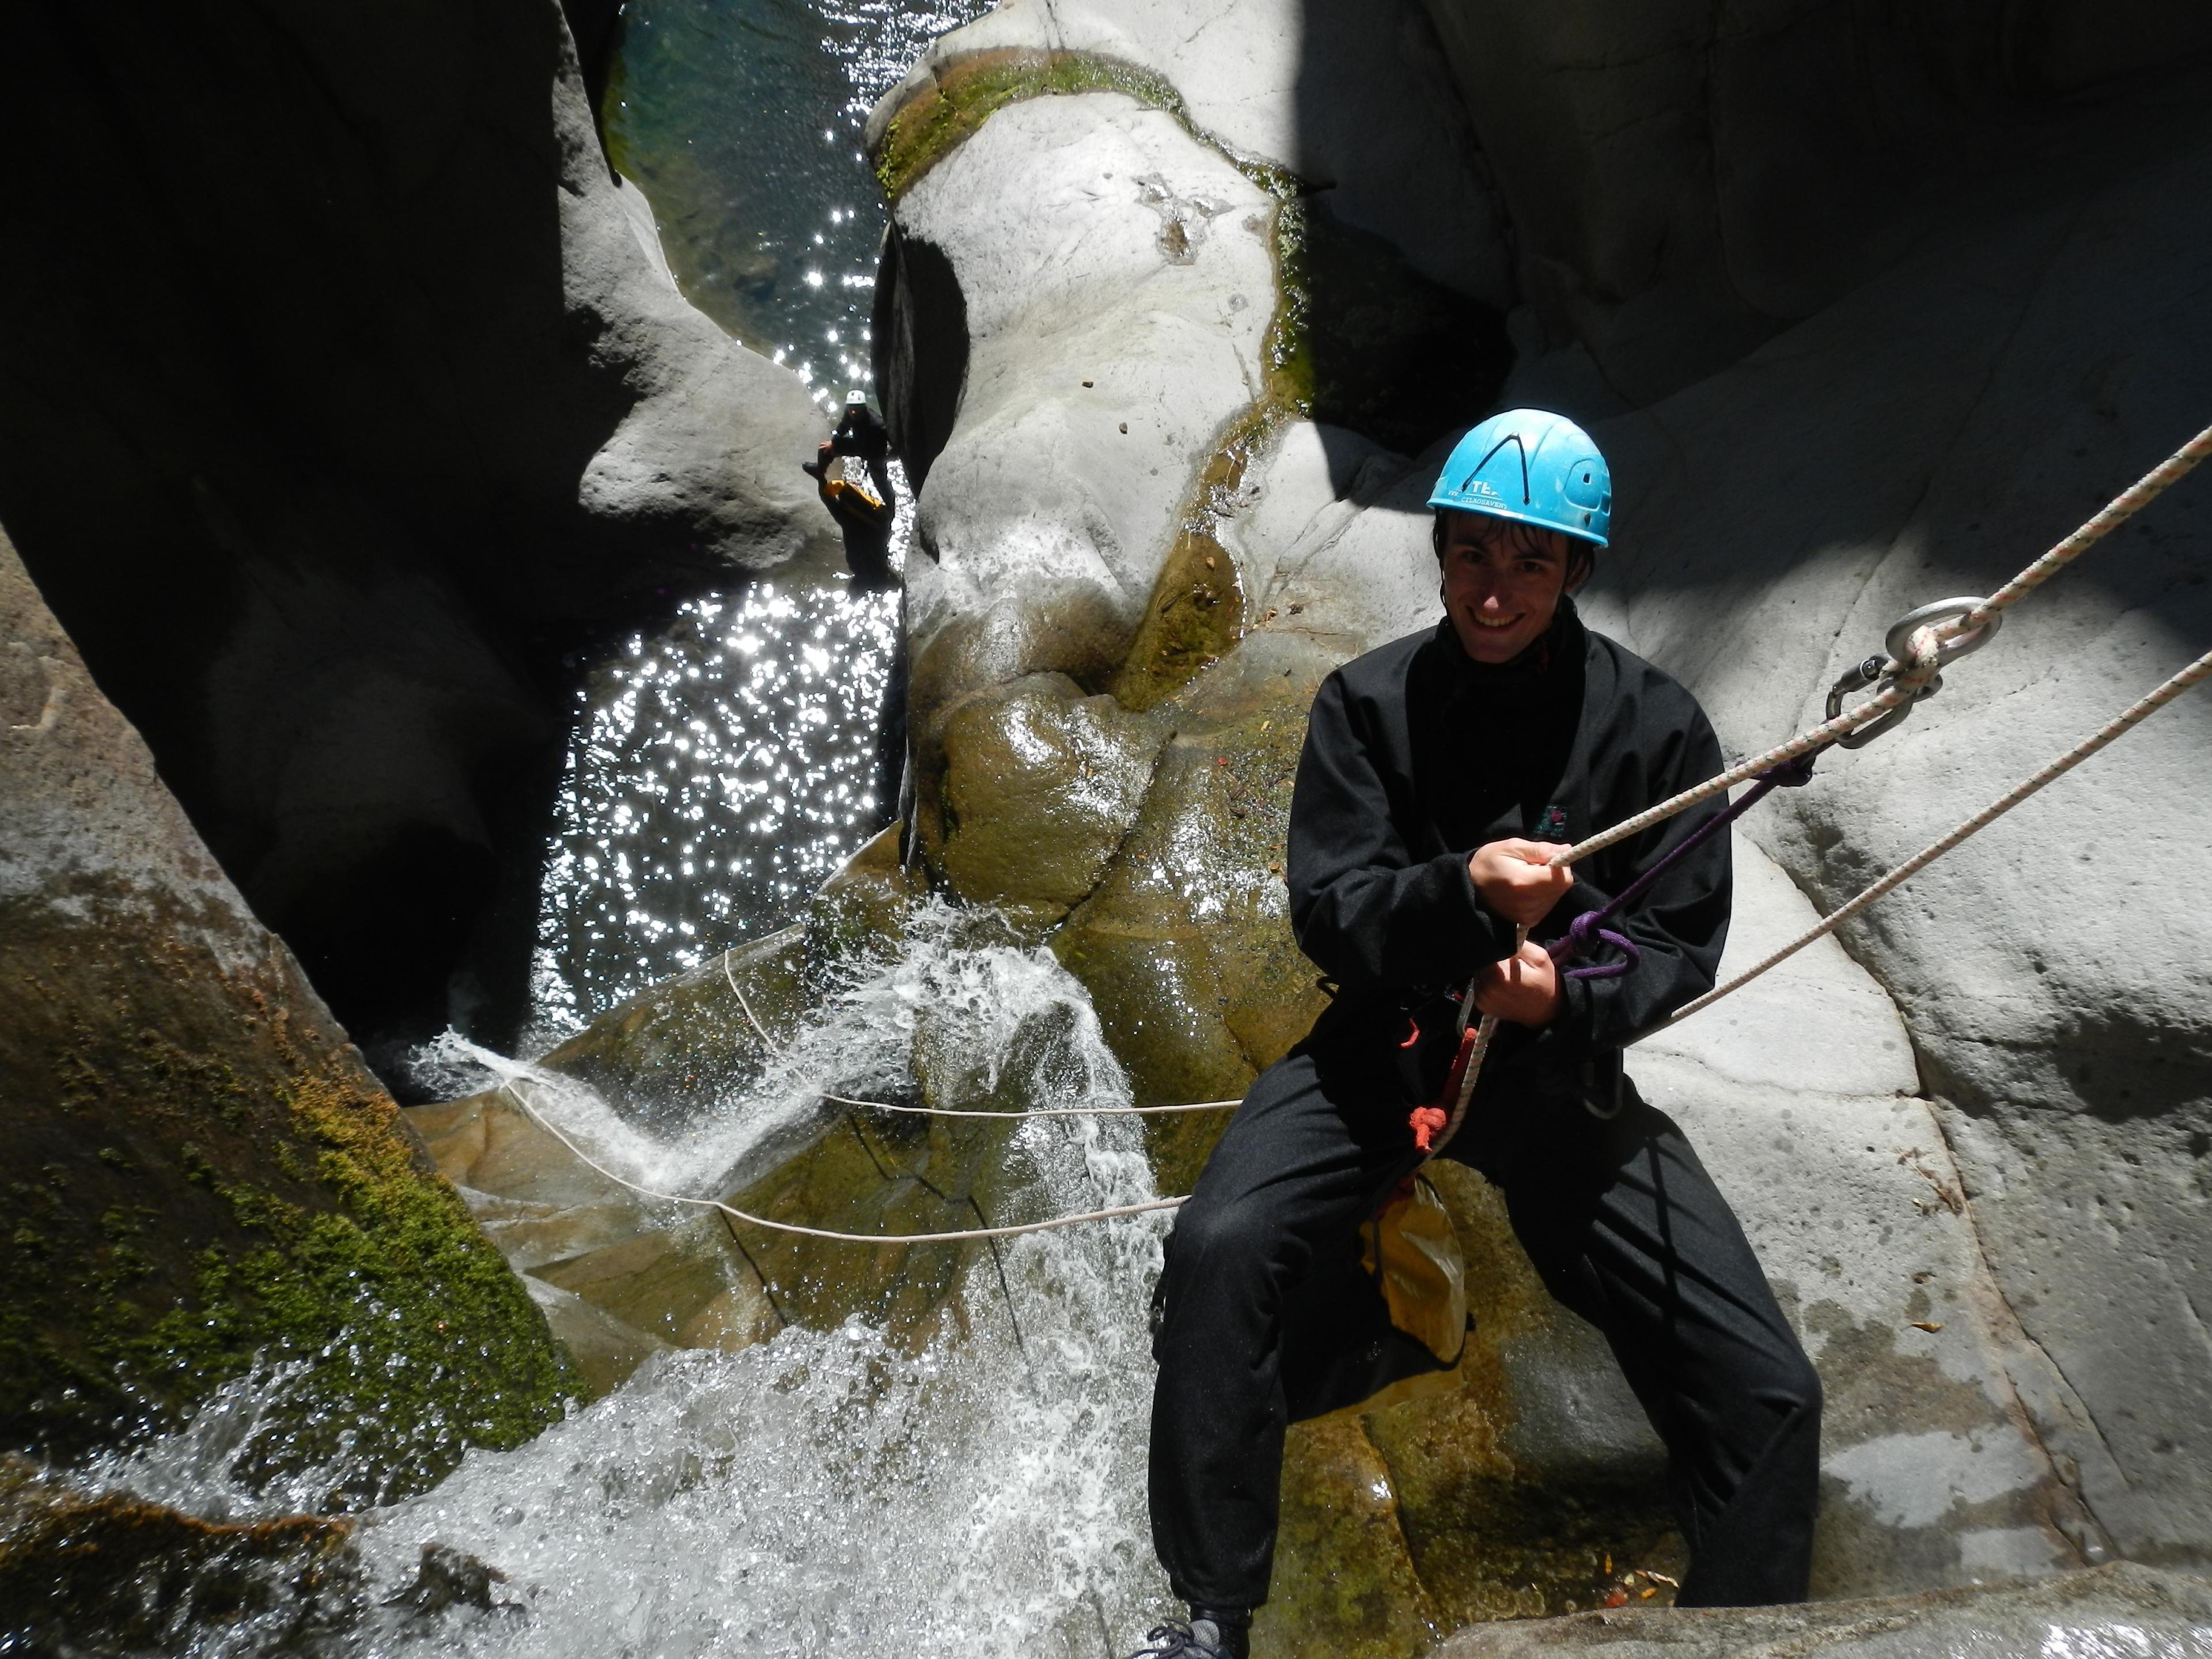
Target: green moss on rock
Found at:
222, 1181
967, 93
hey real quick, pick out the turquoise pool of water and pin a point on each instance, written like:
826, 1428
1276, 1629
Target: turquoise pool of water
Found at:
741, 121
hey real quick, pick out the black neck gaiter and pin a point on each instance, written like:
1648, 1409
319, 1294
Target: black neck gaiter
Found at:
1491, 740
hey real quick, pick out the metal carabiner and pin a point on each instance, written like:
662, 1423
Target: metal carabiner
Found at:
1885, 665
1857, 677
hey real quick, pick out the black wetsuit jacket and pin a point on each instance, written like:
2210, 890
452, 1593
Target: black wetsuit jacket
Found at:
1415, 755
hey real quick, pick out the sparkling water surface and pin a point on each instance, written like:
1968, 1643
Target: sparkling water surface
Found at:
720, 768
723, 765
741, 120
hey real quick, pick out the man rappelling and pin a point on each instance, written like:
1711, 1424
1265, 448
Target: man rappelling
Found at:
1440, 773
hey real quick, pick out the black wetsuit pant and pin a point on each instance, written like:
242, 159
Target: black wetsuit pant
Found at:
1623, 1224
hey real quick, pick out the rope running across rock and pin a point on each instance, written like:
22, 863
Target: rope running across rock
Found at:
1110, 1214
2122, 508
775, 1047
2193, 674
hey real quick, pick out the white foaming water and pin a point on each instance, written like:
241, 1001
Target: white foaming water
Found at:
825, 1492
989, 1015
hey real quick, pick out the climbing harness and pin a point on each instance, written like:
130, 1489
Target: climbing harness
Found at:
1907, 670
1586, 934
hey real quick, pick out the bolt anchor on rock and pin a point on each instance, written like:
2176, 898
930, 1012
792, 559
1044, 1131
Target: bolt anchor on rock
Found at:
1907, 666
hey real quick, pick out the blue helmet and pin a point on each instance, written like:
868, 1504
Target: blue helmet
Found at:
1533, 467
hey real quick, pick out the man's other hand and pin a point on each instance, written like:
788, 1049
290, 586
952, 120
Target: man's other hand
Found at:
1516, 879
1522, 990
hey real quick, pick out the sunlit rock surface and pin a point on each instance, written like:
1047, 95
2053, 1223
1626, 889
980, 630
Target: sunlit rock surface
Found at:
1094, 241
201, 1170
2123, 1610
1287, 83
1926, 437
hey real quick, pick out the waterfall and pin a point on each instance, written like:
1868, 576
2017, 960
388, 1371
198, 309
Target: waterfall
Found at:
825, 1492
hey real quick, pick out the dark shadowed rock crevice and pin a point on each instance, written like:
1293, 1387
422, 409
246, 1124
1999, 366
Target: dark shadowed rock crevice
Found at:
1685, 181
352, 395
920, 337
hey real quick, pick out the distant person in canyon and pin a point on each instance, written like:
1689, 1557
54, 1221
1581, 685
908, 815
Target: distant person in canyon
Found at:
866, 517
1439, 775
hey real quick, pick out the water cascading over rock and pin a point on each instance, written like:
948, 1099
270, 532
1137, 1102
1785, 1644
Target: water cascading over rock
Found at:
1139, 258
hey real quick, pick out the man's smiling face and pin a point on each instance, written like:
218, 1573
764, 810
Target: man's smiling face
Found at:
1503, 581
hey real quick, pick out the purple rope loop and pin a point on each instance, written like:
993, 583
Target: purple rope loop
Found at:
1588, 930
1579, 943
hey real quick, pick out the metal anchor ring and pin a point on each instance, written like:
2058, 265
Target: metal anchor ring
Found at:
1899, 640
1897, 646
1857, 678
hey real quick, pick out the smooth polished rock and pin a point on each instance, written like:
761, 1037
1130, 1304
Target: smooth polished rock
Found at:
1291, 83
2120, 1609
1118, 282
1926, 438
1801, 1094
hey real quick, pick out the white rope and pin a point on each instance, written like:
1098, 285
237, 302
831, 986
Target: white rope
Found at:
2124, 506
1903, 689
2123, 721
1150, 1205
1908, 682
1042, 1111
947, 1111
1910, 675
767, 1042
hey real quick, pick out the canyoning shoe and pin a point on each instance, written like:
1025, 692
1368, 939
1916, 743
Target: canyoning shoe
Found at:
1201, 1638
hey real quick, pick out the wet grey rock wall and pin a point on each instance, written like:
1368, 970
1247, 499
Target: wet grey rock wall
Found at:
201, 1171
342, 387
